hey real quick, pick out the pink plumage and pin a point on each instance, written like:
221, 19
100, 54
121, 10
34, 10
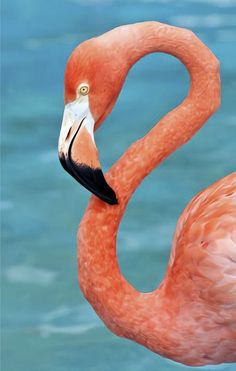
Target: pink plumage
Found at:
191, 317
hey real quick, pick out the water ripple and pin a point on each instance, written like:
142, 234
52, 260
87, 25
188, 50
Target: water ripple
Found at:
6, 205
48, 329
68, 321
30, 275
211, 20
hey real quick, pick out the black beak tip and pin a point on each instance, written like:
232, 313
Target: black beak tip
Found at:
111, 200
92, 179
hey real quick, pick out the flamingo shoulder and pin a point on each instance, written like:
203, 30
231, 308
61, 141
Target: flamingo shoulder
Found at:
204, 245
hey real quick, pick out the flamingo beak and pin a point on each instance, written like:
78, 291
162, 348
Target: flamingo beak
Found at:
78, 153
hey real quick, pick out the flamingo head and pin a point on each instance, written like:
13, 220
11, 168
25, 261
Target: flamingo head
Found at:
94, 76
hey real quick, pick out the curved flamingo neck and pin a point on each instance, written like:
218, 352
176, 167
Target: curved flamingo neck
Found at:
179, 125
119, 305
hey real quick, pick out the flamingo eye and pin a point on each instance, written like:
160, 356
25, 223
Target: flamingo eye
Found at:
83, 89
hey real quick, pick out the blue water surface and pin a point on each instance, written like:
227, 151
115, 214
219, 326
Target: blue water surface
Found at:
46, 323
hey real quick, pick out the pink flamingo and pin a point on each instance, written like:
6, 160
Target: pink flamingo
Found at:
191, 317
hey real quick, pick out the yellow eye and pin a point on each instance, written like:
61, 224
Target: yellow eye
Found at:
83, 89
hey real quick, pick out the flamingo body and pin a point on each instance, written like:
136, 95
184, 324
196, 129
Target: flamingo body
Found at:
191, 316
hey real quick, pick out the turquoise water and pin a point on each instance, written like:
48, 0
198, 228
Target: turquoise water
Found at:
47, 324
